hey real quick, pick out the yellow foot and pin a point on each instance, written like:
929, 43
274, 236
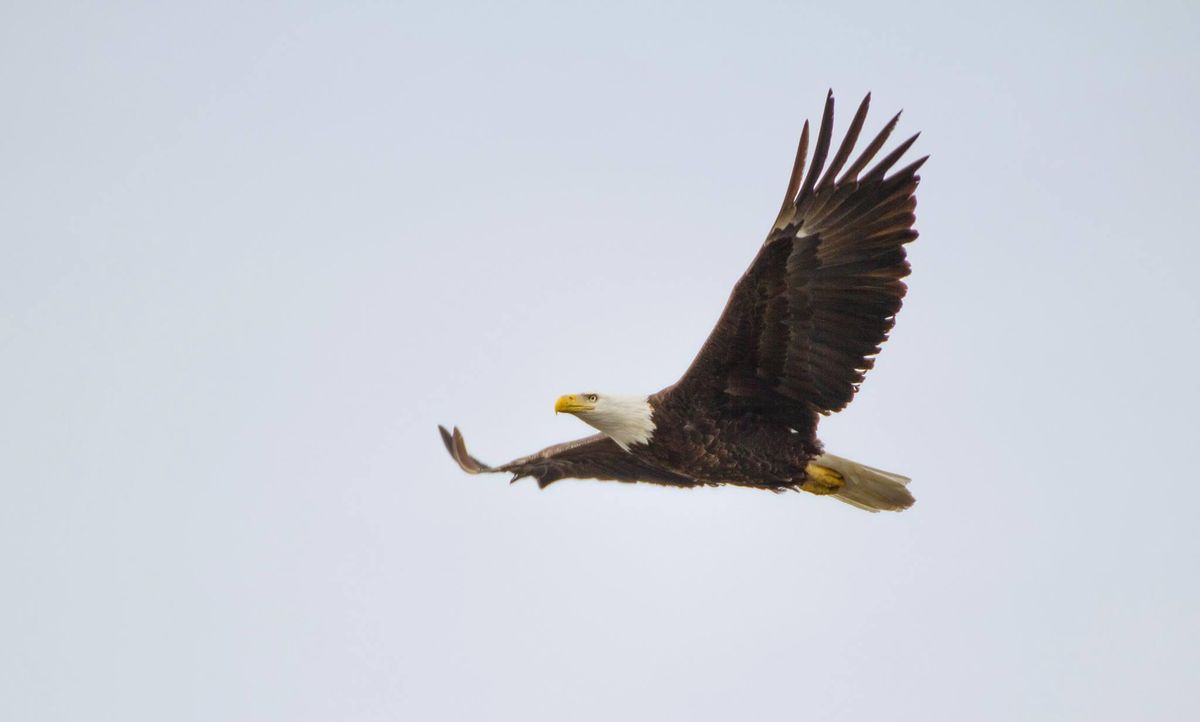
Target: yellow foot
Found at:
821, 480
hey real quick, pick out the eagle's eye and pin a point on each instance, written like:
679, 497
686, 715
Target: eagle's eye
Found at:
592, 398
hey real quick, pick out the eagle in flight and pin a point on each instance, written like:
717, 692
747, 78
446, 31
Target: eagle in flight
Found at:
800, 330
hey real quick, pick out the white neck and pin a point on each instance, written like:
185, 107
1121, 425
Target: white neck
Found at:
624, 419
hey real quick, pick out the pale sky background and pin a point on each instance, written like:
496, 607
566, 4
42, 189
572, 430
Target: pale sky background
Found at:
252, 253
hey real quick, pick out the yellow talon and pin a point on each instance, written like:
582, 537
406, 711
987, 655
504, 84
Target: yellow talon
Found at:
821, 480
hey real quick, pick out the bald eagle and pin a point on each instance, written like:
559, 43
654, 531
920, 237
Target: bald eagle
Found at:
800, 330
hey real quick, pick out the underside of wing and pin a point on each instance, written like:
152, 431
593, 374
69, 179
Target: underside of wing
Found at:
804, 323
592, 457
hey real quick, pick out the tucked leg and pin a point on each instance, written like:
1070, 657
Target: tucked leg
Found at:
821, 480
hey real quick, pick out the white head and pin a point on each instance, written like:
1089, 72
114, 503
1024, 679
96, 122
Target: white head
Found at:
625, 419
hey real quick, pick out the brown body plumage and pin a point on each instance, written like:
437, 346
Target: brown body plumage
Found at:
800, 330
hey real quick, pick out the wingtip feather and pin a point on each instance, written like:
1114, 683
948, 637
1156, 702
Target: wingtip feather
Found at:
793, 187
457, 447
447, 440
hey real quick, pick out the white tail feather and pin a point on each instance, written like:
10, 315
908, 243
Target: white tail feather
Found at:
866, 487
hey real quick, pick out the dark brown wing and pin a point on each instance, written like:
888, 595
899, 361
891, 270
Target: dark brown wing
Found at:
804, 322
593, 457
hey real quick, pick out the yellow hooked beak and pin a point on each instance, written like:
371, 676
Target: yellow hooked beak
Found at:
572, 404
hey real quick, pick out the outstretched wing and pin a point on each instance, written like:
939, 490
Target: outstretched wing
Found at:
803, 324
593, 457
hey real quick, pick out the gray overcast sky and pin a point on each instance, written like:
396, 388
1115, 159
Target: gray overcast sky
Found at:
252, 253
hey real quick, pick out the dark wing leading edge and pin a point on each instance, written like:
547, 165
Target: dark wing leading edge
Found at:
803, 324
593, 457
